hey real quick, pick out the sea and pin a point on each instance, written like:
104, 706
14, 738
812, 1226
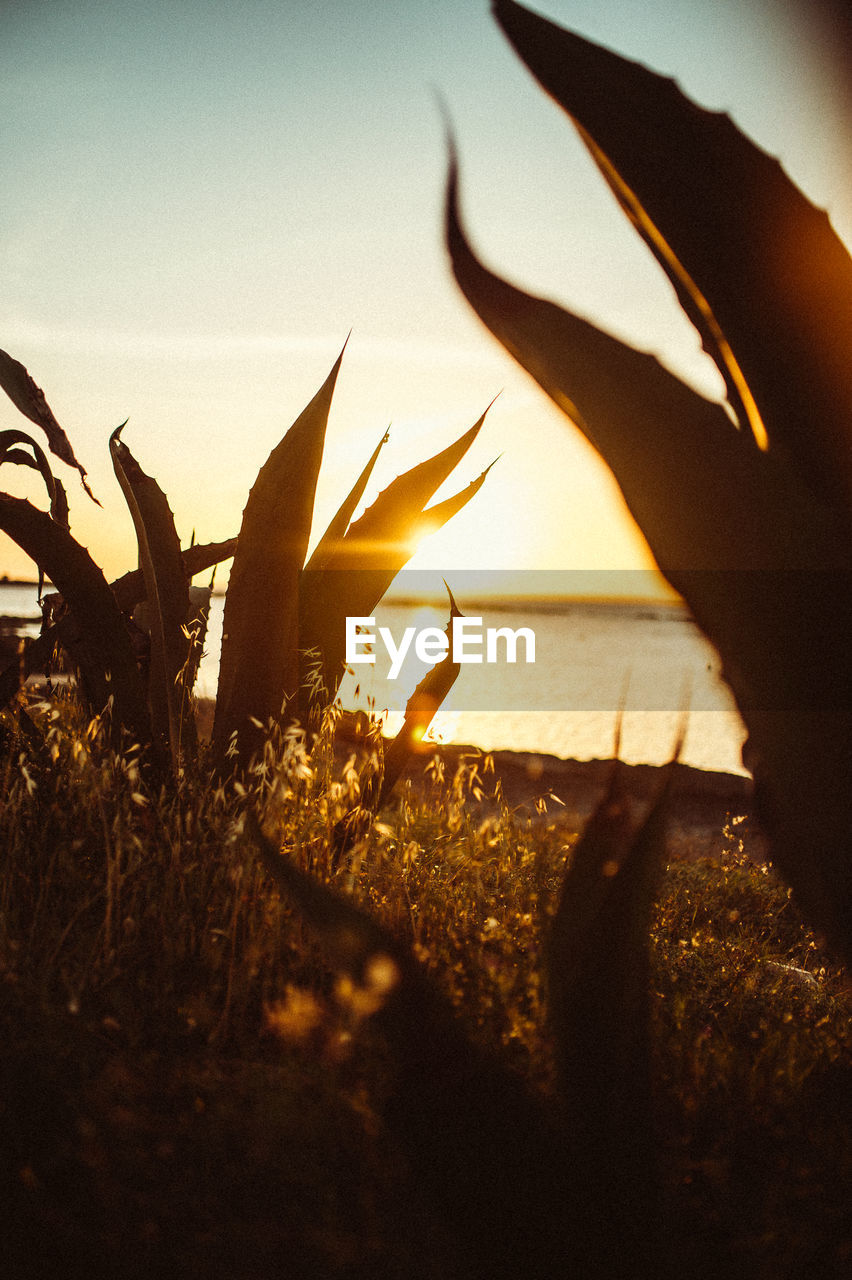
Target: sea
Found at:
608, 675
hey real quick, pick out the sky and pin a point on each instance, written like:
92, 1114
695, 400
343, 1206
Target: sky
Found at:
201, 200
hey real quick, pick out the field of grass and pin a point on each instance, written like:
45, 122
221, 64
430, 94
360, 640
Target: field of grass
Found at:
186, 1087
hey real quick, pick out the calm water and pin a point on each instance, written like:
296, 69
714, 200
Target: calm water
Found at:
590, 658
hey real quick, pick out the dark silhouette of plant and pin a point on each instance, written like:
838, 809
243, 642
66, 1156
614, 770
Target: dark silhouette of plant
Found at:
284, 623
747, 510
746, 507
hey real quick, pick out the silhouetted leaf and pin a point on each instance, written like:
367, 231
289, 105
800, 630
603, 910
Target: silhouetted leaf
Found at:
38, 462
763, 566
420, 710
333, 536
105, 654
129, 589
758, 269
436, 516
353, 939
375, 548
260, 640
598, 978
757, 543
677, 457
480, 1145
29, 398
597, 951
380, 539
419, 713
166, 593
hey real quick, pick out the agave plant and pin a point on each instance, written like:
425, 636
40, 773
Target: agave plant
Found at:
747, 507
280, 614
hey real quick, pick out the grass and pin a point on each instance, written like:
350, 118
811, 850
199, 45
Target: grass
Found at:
188, 1090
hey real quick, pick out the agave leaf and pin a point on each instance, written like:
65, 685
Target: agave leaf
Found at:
757, 267
129, 591
166, 593
130, 588
678, 458
419, 713
597, 953
352, 937
29, 398
375, 548
259, 666
381, 535
20, 458
105, 654
763, 566
38, 462
436, 516
331, 539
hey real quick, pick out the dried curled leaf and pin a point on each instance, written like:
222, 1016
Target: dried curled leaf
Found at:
29, 398
9, 440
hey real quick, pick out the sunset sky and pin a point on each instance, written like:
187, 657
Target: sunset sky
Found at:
200, 200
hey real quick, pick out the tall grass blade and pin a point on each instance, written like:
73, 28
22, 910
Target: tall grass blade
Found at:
598, 979
259, 666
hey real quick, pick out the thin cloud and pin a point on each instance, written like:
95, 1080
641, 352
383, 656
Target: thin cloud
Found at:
179, 345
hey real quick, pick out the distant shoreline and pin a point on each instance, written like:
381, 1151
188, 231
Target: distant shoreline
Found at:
702, 801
